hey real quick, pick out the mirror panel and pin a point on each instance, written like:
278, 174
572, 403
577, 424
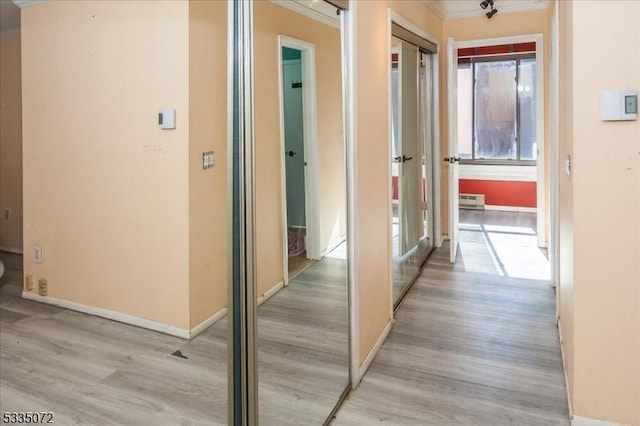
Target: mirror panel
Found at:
300, 212
412, 165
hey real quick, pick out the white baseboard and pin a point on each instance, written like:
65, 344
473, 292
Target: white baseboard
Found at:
511, 209
111, 315
269, 293
564, 368
374, 351
207, 323
11, 250
586, 421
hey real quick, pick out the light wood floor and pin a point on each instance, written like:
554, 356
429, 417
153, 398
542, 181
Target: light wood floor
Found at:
92, 371
468, 347
298, 264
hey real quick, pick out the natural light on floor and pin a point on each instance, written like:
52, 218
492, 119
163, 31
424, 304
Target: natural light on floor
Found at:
503, 250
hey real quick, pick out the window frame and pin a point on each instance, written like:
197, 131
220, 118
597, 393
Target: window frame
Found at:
472, 60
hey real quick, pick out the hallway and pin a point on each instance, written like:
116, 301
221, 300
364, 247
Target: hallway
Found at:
90, 370
474, 343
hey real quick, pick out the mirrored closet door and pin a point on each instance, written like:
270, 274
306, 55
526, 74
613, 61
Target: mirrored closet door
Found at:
300, 212
412, 123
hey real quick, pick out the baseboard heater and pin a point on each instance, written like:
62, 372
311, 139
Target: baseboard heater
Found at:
472, 201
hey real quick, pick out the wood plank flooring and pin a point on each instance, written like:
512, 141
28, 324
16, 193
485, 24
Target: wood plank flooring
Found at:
92, 371
474, 344
468, 347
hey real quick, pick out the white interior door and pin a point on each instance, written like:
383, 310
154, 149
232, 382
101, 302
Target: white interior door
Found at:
294, 143
426, 118
411, 228
453, 160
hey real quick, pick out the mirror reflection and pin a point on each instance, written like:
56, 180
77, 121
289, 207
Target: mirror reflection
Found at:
412, 165
301, 212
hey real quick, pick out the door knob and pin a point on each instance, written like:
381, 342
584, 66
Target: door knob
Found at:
402, 159
291, 153
451, 160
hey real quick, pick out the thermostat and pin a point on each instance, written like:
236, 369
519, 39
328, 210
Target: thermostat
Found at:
618, 105
167, 118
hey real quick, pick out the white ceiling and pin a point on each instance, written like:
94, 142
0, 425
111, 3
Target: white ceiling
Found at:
9, 17
452, 9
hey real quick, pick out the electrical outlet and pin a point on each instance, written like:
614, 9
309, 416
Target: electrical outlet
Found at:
207, 160
37, 254
42, 287
28, 282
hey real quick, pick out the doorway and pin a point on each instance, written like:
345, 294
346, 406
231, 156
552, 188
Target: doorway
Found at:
493, 164
294, 161
300, 203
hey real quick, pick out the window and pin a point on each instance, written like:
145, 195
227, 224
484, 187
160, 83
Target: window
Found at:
497, 109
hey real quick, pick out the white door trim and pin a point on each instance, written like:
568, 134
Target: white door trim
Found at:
310, 129
452, 142
350, 131
553, 143
437, 165
540, 182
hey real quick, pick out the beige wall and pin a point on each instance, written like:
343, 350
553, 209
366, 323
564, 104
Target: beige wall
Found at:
373, 220
501, 25
270, 21
10, 143
601, 248
106, 192
122, 207
207, 132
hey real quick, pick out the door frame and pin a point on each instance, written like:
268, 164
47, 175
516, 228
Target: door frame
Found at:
436, 205
310, 141
453, 170
540, 91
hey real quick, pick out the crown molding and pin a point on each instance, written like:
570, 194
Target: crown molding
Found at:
301, 8
437, 7
25, 3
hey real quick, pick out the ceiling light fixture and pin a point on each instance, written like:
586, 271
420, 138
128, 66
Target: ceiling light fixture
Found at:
486, 3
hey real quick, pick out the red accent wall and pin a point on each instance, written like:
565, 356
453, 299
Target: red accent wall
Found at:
497, 50
496, 192
394, 183
501, 193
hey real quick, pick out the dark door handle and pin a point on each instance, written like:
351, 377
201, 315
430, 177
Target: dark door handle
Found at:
291, 153
451, 160
402, 159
